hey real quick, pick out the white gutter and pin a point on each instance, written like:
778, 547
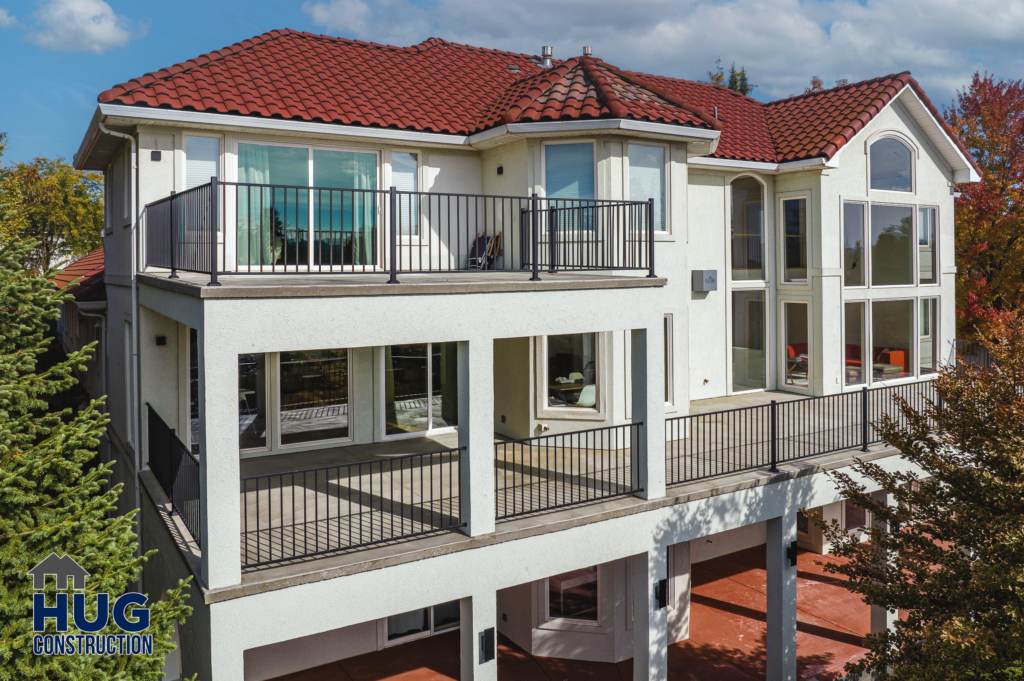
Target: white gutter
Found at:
135, 317
761, 166
684, 133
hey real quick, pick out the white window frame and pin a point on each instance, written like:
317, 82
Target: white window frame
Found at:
869, 344
184, 150
935, 335
231, 173
432, 630
429, 432
667, 231
546, 410
670, 359
769, 302
911, 148
546, 601
768, 242
915, 209
544, 162
865, 241
913, 239
865, 348
421, 223
781, 240
783, 360
917, 244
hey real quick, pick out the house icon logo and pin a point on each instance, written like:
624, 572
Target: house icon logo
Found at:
64, 569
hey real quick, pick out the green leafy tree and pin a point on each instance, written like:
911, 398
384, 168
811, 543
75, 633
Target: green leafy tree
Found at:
53, 498
949, 556
61, 211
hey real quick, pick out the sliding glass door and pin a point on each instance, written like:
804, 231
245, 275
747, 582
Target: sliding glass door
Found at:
344, 222
420, 388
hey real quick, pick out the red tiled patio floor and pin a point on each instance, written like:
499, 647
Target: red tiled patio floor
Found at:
727, 635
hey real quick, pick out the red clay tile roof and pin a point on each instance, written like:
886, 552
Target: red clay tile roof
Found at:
445, 87
89, 270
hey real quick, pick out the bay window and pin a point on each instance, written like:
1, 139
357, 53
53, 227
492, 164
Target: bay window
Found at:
569, 176
647, 179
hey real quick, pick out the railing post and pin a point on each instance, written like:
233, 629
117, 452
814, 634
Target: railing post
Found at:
173, 235
552, 246
774, 436
535, 246
393, 231
864, 419
650, 236
214, 212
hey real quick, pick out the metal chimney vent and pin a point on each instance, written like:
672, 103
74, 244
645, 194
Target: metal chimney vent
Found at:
546, 52
587, 50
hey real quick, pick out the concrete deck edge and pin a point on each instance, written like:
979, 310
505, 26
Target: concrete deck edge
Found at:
407, 288
320, 569
187, 546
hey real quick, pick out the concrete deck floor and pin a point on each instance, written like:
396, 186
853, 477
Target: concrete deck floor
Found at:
727, 635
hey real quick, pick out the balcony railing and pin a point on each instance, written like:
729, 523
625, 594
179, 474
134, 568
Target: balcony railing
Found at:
553, 471
236, 228
717, 443
177, 471
308, 512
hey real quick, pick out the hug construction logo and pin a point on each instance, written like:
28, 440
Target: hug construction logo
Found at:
128, 614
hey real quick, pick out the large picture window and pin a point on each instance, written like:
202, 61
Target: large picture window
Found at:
747, 230
421, 388
853, 244
574, 595
572, 370
794, 222
892, 339
314, 387
569, 177
345, 222
647, 179
892, 245
891, 166
748, 341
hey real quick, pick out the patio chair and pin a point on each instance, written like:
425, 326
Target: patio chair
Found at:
588, 396
479, 253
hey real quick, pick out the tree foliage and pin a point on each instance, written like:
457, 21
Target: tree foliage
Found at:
953, 563
61, 211
736, 81
988, 117
818, 85
52, 495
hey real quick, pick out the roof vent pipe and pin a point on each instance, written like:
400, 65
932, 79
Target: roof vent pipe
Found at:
587, 50
546, 53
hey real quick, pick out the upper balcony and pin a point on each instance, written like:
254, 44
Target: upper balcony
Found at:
376, 236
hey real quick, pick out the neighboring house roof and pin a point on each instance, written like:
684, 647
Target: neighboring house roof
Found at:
438, 86
89, 270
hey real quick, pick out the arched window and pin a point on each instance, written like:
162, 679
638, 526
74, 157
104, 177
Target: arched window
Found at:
747, 230
891, 166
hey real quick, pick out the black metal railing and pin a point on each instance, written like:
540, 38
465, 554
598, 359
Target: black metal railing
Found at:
716, 443
177, 471
241, 228
313, 511
553, 471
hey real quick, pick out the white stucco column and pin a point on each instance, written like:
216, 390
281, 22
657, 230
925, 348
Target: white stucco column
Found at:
218, 463
882, 619
476, 434
477, 614
781, 649
650, 624
679, 592
648, 387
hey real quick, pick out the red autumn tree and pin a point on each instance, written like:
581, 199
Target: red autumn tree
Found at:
988, 116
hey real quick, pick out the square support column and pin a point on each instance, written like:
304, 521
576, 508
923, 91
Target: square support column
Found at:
781, 573
882, 619
219, 471
477, 614
476, 435
648, 392
679, 592
650, 623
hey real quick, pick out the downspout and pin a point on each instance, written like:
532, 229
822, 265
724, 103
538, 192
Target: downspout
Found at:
135, 320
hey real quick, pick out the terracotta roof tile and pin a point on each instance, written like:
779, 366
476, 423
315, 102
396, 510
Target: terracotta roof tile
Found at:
445, 87
89, 271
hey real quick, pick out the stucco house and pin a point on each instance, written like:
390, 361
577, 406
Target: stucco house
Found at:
409, 339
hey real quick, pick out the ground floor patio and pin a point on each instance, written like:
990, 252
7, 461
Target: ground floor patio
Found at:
727, 635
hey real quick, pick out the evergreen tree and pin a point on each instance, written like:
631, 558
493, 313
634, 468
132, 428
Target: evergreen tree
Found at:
743, 86
734, 83
949, 555
52, 497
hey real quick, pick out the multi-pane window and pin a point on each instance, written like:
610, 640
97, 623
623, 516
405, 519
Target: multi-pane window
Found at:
423, 622
647, 178
892, 245
747, 230
421, 388
794, 224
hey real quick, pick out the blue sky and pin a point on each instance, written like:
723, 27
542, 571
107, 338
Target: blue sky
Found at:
59, 54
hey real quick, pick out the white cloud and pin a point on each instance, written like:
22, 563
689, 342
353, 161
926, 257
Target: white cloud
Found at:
781, 42
6, 20
81, 25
